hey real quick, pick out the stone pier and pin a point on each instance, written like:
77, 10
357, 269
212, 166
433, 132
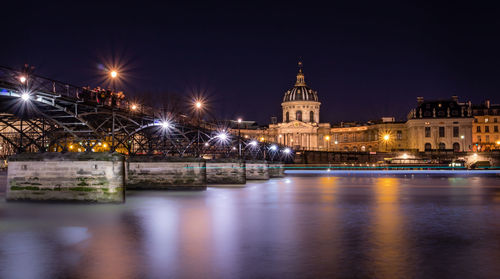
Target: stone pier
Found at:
83, 177
276, 169
257, 170
165, 173
226, 171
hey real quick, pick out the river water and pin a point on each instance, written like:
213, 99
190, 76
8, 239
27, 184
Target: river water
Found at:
301, 226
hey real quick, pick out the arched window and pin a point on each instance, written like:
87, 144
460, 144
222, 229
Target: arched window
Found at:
456, 147
298, 115
311, 116
428, 146
287, 117
442, 146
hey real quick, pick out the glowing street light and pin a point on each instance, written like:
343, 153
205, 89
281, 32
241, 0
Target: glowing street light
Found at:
287, 150
134, 107
113, 74
239, 120
22, 79
198, 104
222, 136
273, 147
253, 143
25, 96
386, 138
165, 125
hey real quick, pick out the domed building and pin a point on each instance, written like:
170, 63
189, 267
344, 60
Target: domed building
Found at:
300, 127
301, 102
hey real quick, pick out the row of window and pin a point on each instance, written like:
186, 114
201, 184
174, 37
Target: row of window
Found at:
442, 134
364, 137
289, 107
487, 129
487, 138
442, 146
298, 116
486, 120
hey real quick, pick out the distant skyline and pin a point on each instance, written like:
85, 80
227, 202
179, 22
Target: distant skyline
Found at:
365, 60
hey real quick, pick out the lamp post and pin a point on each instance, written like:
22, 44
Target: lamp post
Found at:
239, 137
386, 139
463, 147
113, 74
198, 105
327, 138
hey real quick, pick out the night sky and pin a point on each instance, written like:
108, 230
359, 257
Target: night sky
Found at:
365, 60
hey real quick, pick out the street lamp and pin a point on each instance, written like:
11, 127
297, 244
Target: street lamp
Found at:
25, 96
327, 138
386, 139
198, 105
239, 137
462, 137
22, 79
113, 74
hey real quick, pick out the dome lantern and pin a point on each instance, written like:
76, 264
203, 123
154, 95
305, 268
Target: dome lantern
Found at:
300, 92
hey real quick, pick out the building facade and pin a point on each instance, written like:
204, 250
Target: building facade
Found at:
431, 125
485, 128
441, 124
300, 127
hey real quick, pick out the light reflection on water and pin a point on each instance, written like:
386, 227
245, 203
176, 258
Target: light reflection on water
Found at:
299, 226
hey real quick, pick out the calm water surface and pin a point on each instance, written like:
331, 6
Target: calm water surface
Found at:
295, 227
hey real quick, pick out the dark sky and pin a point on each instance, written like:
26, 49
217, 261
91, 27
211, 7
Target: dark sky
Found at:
365, 60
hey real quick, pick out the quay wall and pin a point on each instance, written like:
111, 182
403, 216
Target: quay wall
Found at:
226, 171
84, 177
157, 173
276, 169
257, 170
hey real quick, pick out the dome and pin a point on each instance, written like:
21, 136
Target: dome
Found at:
300, 92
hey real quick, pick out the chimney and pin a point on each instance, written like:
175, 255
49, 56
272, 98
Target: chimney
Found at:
487, 103
420, 100
454, 98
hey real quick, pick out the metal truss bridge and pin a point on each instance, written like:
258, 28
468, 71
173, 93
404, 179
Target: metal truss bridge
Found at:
38, 114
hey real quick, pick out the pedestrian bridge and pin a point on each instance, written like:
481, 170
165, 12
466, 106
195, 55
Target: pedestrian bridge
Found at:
39, 114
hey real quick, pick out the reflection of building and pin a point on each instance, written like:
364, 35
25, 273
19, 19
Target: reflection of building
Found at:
445, 124
485, 134
432, 125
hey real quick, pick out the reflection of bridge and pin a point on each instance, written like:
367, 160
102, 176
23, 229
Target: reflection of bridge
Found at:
38, 114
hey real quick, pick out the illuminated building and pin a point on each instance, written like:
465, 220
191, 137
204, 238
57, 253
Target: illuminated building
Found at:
440, 124
485, 128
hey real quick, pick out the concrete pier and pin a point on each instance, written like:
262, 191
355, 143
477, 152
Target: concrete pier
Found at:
85, 177
160, 173
226, 171
257, 170
276, 169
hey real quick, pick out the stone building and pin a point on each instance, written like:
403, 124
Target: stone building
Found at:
432, 125
300, 126
441, 124
485, 131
